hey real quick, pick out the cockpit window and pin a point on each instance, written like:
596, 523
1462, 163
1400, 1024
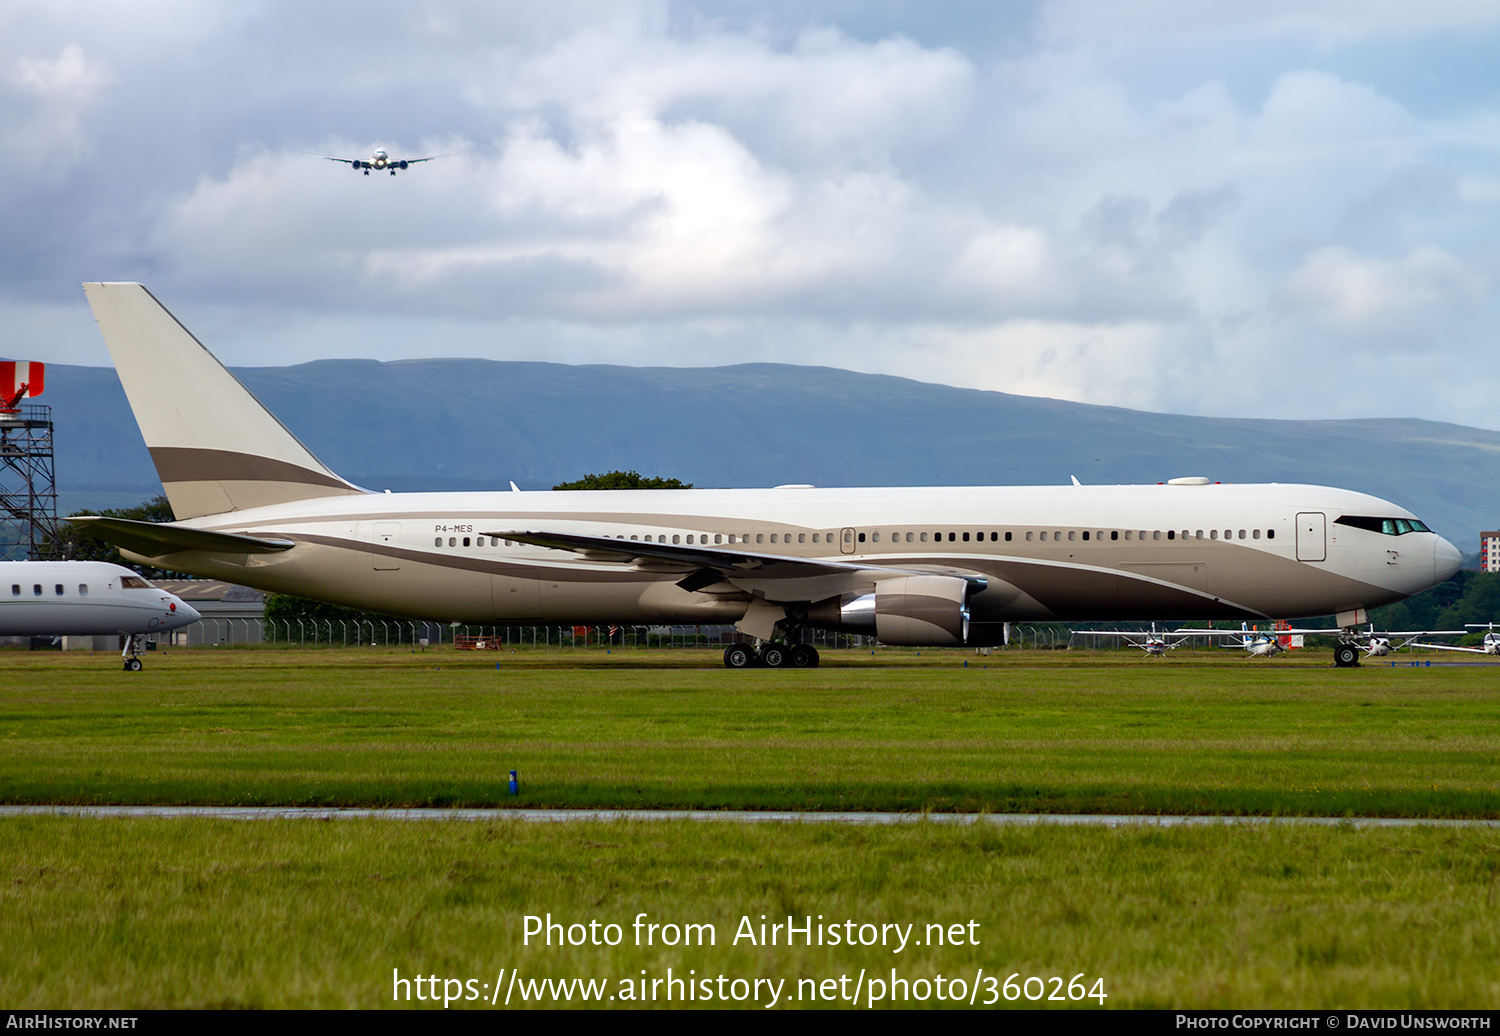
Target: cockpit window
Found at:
1387, 526
133, 583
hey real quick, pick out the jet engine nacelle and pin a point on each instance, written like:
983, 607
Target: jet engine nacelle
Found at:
910, 611
401, 164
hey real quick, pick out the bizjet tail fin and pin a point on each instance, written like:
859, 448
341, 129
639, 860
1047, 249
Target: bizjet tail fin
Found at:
215, 446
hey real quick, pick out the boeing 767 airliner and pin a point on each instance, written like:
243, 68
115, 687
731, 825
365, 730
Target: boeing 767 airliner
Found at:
915, 566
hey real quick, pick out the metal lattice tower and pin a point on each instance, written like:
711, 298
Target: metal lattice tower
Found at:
28, 484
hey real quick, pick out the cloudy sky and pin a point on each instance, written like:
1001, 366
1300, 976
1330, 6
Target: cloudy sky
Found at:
1282, 209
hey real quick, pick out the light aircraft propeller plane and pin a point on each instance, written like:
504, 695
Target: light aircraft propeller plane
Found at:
1489, 646
917, 566
1154, 644
1267, 644
57, 598
381, 161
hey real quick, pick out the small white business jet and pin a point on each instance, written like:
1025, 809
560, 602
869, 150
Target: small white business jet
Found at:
919, 566
381, 161
59, 598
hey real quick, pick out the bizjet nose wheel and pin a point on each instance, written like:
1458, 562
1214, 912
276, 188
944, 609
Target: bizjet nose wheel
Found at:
774, 656
738, 656
1345, 655
132, 665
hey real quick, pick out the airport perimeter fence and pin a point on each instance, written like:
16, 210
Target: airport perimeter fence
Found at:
405, 633
224, 631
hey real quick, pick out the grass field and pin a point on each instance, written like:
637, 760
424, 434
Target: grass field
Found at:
1051, 732
147, 913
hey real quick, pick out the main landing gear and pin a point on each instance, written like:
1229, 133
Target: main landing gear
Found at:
1346, 655
132, 653
770, 655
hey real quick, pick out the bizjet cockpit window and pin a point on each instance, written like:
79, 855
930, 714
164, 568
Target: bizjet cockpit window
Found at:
133, 583
1386, 526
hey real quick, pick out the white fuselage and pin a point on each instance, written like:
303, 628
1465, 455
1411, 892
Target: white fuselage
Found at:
1064, 552
55, 598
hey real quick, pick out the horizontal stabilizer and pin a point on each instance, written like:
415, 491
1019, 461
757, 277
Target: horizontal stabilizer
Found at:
156, 539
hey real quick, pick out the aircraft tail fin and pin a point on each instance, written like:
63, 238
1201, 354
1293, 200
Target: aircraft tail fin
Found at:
215, 446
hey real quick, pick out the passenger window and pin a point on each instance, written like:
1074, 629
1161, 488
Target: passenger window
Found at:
1242, 534
437, 541
1085, 535
953, 537
1270, 534
1171, 534
924, 537
861, 537
15, 589
676, 538
466, 541
908, 537
874, 537
83, 589
966, 537
1073, 535
36, 589
1028, 537
1213, 534
760, 537
1255, 534
452, 541
815, 538
801, 537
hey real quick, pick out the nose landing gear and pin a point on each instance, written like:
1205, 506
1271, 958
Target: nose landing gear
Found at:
131, 655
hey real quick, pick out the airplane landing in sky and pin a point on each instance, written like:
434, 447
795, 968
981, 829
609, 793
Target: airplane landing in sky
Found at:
381, 161
58, 598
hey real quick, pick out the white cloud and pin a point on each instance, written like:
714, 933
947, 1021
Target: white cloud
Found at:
1110, 209
1356, 294
1324, 21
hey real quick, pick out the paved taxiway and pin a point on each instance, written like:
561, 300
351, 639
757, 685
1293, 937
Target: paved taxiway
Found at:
556, 816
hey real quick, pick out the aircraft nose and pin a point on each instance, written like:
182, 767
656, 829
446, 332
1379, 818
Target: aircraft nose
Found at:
1445, 559
183, 614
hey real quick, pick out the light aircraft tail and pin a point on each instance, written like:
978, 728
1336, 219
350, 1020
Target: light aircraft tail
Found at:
215, 446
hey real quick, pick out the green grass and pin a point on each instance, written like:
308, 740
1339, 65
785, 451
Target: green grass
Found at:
180, 913
100, 913
1047, 732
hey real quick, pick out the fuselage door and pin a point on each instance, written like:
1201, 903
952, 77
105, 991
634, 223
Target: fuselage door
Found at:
383, 550
1312, 543
846, 541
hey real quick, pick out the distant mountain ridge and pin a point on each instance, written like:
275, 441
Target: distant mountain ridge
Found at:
477, 424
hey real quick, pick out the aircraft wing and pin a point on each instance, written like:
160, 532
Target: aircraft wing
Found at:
156, 539
778, 577
429, 158
346, 161
1451, 647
